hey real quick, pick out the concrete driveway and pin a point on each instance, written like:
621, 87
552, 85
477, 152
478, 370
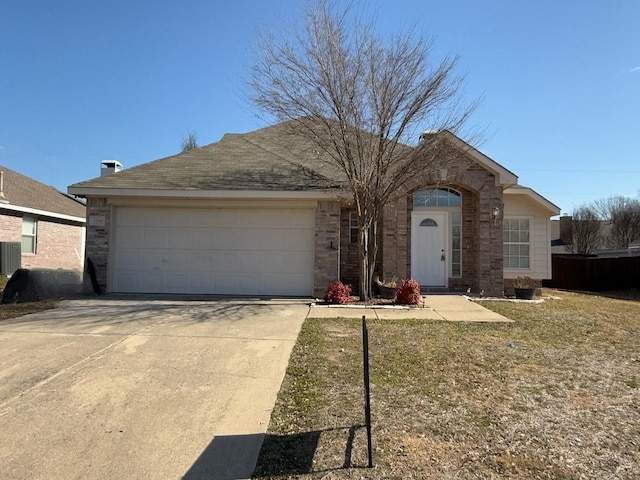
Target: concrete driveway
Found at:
141, 389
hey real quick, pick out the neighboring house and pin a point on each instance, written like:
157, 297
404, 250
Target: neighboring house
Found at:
562, 240
261, 213
48, 224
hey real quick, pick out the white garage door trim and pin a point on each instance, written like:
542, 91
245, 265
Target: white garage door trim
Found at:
231, 251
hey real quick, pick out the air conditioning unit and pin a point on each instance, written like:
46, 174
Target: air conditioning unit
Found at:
10, 257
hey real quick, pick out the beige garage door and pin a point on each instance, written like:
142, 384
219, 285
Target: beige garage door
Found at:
221, 251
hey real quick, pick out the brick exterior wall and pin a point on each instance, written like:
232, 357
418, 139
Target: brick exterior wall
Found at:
10, 228
59, 243
348, 251
349, 268
98, 241
482, 261
327, 242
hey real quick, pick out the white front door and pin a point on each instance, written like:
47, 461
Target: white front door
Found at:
429, 248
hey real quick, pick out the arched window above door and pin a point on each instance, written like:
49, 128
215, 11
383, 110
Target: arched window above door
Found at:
437, 197
428, 222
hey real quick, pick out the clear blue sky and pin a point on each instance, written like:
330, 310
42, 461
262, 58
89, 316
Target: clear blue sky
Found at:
82, 81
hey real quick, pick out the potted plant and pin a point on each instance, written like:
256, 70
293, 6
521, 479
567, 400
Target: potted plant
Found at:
524, 288
387, 288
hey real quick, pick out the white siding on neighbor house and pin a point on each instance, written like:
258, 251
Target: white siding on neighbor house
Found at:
521, 206
213, 251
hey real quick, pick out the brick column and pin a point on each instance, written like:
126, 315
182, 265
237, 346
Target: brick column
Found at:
327, 246
490, 259
97, 245
395, 243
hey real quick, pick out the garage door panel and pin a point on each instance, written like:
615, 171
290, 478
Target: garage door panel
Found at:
151, 260
223, 262
200, 238
200, 283
128, 283
234, 251
251, 262
176, 283
200, 261
299, 240
153, 238
270, 262
176, 238
296, 262
129, 236
151, 283
126, 260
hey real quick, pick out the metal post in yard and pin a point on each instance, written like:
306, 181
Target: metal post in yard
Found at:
367, 388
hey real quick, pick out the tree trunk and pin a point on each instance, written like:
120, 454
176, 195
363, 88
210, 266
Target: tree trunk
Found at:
368, 249
363, 261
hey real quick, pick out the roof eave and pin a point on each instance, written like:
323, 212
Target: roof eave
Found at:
208, 194
42, 213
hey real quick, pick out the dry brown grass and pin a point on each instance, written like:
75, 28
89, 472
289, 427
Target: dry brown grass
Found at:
13, 310
553, 396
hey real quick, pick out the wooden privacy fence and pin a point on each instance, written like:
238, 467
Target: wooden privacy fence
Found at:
595, 274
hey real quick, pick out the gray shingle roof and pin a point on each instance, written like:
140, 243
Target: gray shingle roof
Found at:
266, 159
22, 191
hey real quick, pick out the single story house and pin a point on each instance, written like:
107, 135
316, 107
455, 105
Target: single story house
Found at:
44, 227
261, 213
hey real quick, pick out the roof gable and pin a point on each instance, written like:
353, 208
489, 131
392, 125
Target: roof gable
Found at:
503, 176
21, 192
535, 196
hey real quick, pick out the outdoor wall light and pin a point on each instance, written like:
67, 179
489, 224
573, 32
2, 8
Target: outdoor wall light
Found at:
495, 214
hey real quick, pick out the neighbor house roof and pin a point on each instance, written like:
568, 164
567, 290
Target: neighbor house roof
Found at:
24, 194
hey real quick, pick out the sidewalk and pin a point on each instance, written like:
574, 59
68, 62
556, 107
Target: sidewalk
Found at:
453, 308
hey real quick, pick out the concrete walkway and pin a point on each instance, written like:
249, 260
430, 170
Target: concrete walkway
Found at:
454, 308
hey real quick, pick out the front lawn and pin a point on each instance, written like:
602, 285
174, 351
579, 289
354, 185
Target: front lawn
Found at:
556, 395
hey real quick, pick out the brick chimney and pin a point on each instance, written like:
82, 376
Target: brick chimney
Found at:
107, 167
2, 197
566, 229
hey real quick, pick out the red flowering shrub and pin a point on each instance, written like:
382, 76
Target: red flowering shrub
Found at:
408, 292
338, 292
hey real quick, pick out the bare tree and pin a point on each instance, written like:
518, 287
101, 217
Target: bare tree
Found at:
190, 142
586, 230
361, 101
624, 215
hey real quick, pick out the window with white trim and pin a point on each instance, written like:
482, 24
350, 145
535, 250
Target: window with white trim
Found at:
516, 247
29, 231
353, 227
456, 244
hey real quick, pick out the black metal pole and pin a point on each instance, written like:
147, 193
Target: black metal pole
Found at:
367, 389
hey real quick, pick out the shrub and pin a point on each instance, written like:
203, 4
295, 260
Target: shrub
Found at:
408, 292
338, 292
